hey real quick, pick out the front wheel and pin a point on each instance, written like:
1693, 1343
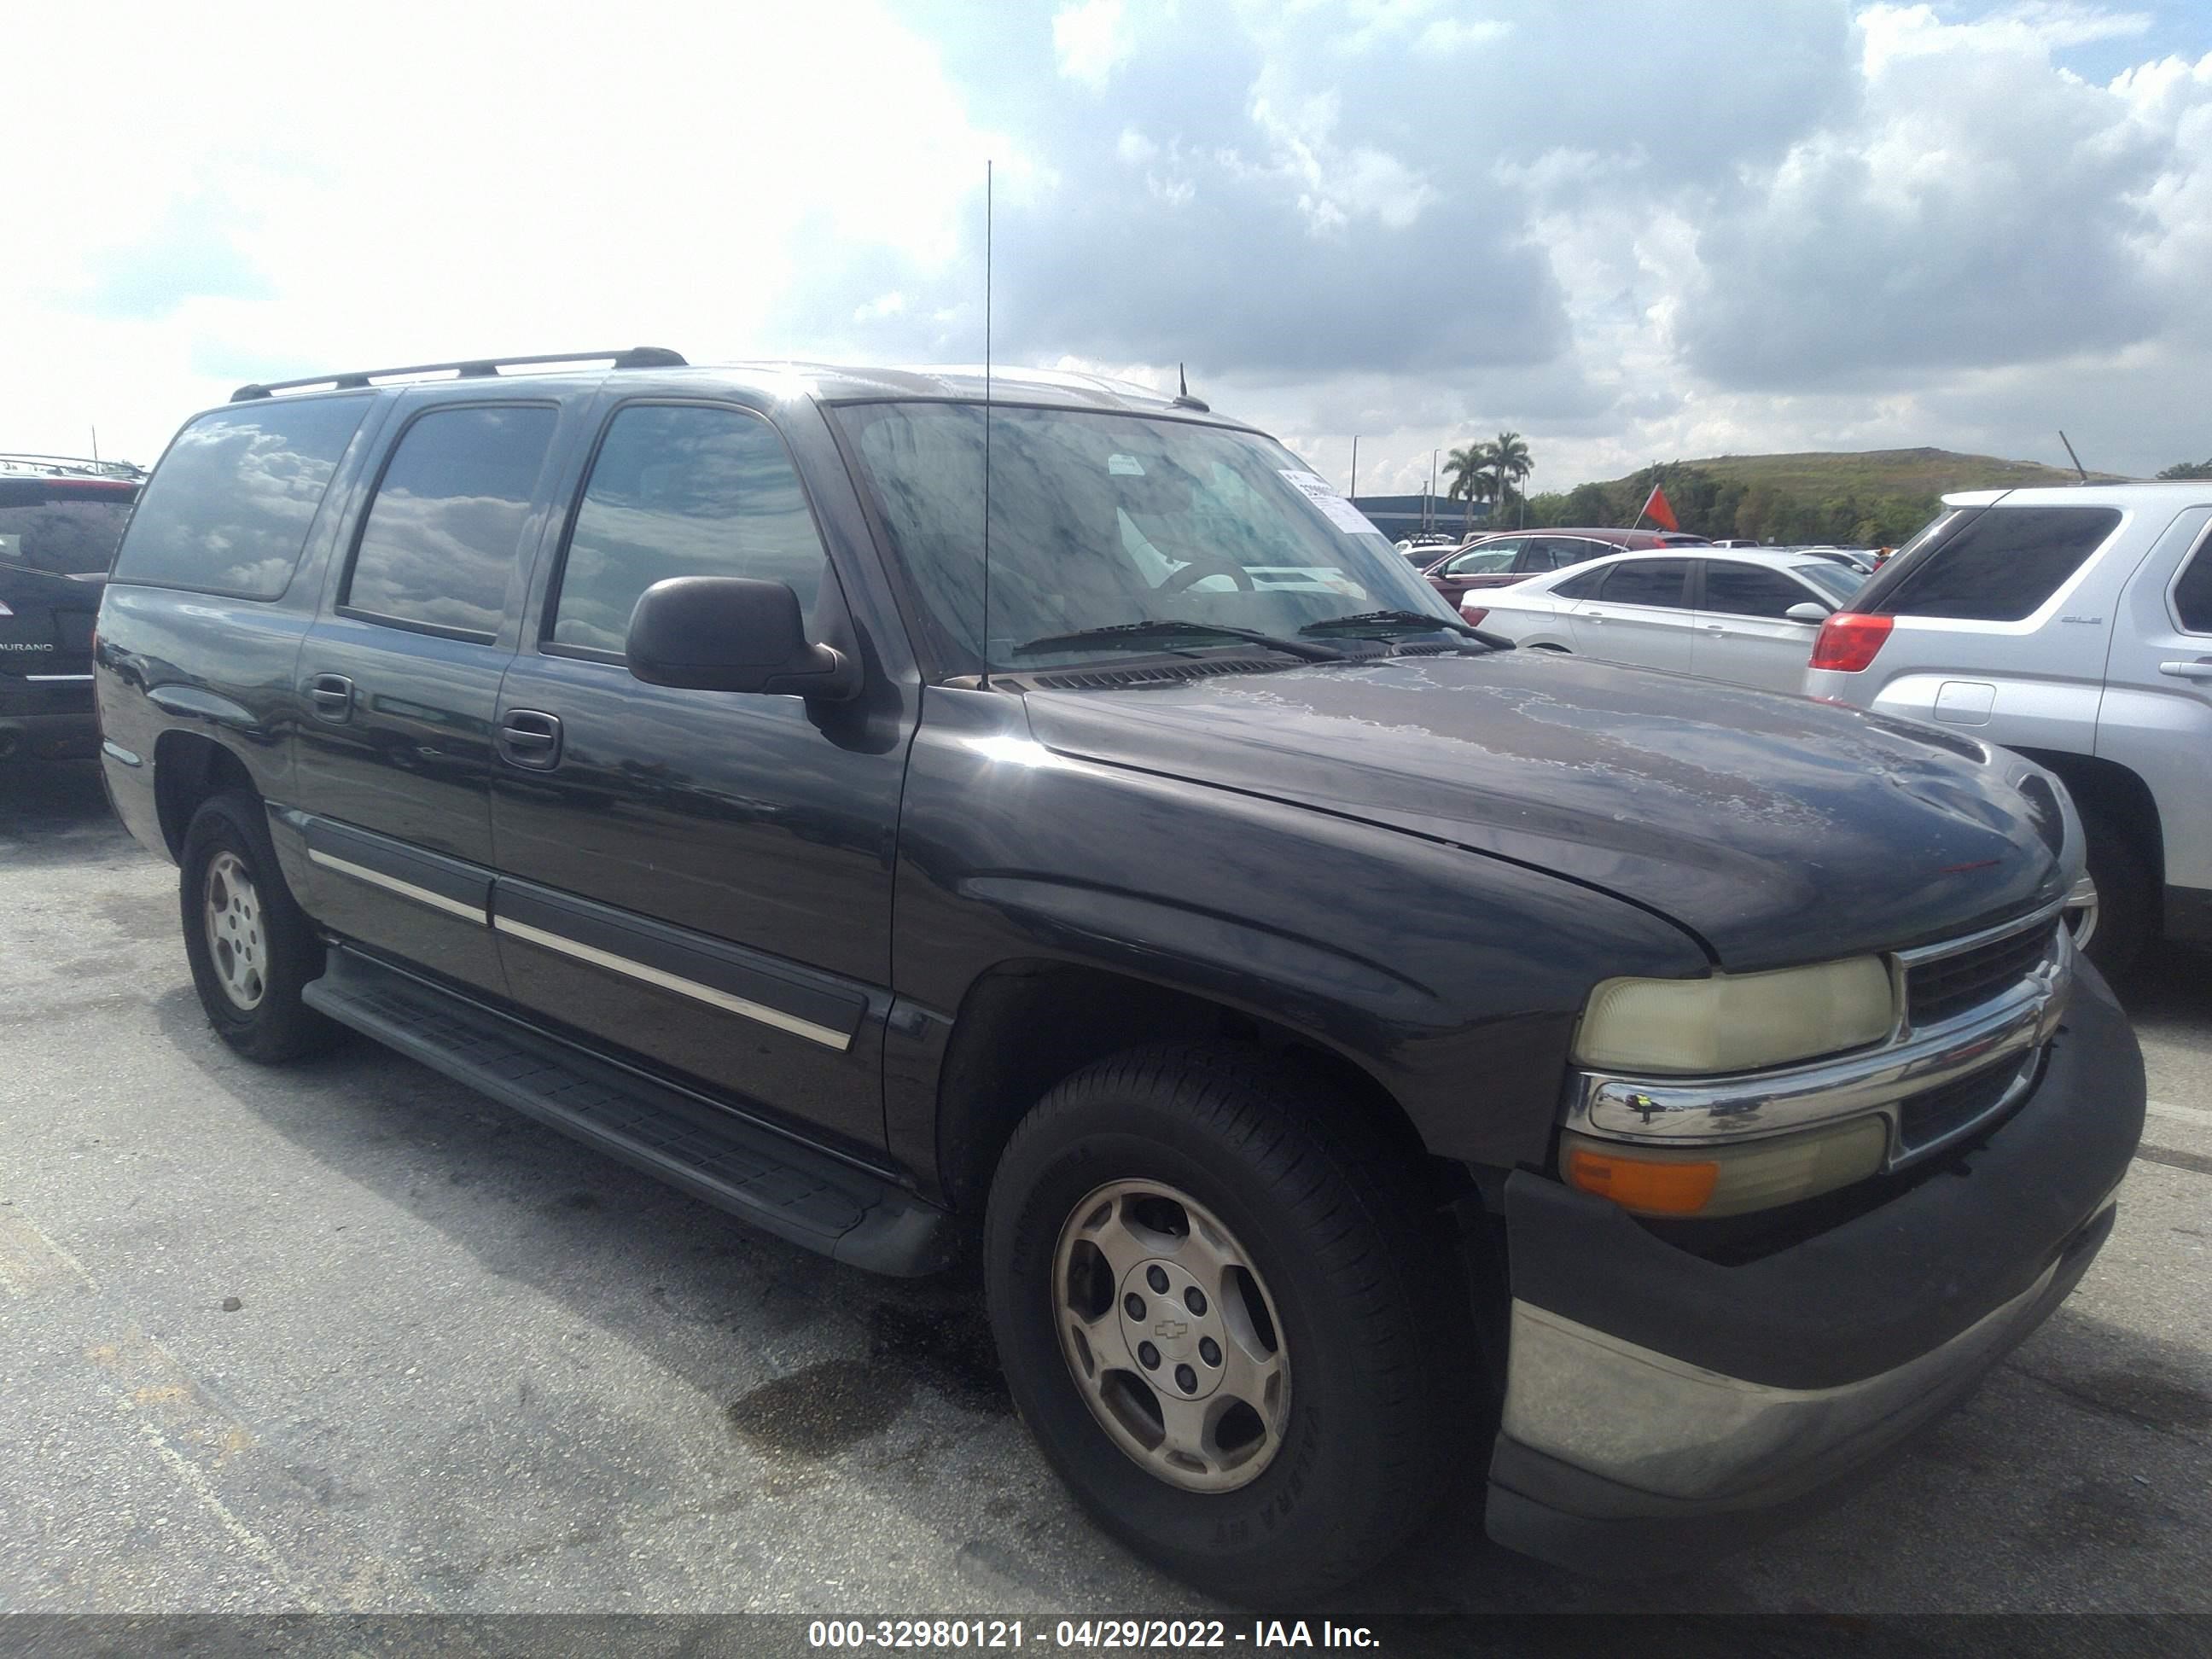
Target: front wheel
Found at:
1231, 1318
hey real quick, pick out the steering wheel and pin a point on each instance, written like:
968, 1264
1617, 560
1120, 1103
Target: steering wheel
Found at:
1205, 565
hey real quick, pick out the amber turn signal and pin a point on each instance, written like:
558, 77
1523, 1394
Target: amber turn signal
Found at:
1643, 1185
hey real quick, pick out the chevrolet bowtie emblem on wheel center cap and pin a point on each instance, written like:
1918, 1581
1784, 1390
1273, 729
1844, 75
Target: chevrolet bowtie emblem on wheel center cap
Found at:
1170, 1330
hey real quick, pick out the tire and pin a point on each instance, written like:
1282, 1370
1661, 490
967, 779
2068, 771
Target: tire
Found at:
2127, 897
251, 946
1354, 1275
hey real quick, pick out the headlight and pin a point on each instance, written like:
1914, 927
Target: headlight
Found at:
1718, 1180
1736, 1022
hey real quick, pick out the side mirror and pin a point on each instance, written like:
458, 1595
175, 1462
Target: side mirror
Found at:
732, 634
1807, 612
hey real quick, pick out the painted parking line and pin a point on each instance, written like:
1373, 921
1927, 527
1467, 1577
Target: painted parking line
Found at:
2196, 1115
149, 1389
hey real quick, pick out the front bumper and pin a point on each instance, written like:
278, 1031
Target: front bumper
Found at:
1648, 1385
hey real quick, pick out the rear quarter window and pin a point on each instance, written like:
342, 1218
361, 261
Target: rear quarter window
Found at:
229, 509
2192, 594
2001, 564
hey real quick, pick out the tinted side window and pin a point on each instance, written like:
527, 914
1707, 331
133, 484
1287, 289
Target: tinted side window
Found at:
1573, 550
1749, 590
1584, 585
681, 491
444, 529
1484, 561
1646, 582
229, 508
2192, 594
2003, 564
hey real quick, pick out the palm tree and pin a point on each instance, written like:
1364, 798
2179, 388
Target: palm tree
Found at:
1468, 470
1510, 463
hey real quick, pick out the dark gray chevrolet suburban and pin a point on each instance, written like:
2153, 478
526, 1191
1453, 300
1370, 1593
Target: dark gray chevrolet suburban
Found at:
1041, 820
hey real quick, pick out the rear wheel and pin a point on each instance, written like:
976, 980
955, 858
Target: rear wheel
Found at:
1229, 1315
250, 946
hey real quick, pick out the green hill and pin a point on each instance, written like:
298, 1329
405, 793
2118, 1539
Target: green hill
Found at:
1887, 472
1869, 497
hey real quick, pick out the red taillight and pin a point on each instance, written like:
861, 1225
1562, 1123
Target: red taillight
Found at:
1474, 614
1848, 641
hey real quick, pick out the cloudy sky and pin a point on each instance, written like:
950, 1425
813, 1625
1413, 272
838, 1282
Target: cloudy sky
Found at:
1630, 231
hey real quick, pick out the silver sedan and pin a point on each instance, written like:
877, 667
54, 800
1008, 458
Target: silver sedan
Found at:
1739, 615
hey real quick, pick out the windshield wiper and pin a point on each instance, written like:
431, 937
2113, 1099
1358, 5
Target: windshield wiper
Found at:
1367, 624
1132, 633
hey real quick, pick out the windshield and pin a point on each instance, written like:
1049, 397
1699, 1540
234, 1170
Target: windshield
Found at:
1100, 520
1837, 581
66, 535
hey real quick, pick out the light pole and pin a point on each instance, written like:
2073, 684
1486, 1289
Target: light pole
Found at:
1354, 491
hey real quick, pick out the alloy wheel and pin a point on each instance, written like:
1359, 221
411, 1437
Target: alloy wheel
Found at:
1170, 1336
232, 909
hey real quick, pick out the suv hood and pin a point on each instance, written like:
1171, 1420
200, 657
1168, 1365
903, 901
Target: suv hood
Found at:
1777, 829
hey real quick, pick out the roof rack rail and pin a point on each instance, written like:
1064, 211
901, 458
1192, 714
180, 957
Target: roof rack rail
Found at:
72, 466
468, 368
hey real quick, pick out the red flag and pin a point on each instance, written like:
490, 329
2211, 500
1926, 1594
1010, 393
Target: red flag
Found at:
1660, 512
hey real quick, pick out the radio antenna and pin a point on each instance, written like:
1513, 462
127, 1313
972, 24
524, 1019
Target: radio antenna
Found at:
2071, 456
984, 678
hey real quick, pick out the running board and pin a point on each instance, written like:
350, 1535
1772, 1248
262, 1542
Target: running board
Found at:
774, 1183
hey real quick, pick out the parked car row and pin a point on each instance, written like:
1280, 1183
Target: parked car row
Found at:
2072, 625
1363, 1055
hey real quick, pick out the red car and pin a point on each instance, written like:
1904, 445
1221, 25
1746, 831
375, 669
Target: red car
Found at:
1508, 556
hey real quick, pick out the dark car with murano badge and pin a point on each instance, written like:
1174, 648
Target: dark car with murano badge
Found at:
1039, 823
60, 519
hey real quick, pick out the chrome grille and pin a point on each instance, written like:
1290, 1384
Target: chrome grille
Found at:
1936, 1116
1936, 989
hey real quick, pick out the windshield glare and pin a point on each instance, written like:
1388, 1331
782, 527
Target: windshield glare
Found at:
1102, 520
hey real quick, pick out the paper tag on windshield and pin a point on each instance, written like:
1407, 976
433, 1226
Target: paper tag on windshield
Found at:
10, 547
1333, 508
1124, 467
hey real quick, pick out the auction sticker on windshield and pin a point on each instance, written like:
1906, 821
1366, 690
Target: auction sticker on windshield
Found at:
1333, 508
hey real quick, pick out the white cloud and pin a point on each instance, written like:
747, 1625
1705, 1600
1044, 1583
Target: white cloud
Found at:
1134, 147
2067, 23
1337, 184
1758, 227
1453, 34
473, 179
1090, 40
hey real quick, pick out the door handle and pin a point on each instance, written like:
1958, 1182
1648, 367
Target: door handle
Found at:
1594, 616
332, 697
531, 739
1714, 628
2199, 670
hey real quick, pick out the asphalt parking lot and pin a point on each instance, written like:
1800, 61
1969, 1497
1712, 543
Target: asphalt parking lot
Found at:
350, 1338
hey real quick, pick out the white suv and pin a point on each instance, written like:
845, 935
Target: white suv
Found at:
2074, 625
